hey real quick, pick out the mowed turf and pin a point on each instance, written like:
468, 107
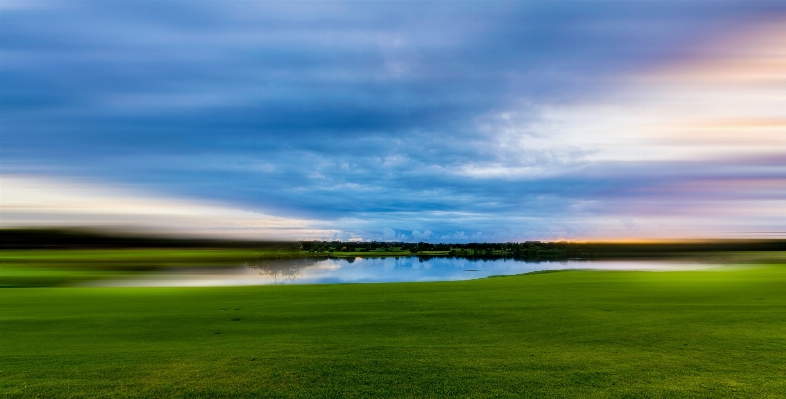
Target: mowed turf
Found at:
565, 334
62, 267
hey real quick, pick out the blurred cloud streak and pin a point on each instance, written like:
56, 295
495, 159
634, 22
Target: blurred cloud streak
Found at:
32, 201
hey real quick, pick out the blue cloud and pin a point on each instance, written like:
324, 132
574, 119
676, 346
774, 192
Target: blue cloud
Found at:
334, 111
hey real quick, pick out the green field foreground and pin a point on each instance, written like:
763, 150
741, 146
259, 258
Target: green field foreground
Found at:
568, 334
59, 267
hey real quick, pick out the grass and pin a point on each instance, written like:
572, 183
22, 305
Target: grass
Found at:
135, 258
433, 253
704, 334
30, 268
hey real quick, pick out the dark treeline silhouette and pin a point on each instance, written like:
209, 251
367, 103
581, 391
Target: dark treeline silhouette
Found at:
95, 239
539, 249
82, 238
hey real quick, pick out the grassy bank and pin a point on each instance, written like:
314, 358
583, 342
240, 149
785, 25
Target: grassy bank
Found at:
54, 267
565, 334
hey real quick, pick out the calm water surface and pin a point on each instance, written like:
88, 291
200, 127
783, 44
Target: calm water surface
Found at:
377, 270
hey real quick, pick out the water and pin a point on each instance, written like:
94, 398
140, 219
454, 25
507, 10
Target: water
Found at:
378, 270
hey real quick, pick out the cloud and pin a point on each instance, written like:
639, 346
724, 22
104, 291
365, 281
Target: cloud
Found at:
513, 120
391, 235
418, 236
31, 201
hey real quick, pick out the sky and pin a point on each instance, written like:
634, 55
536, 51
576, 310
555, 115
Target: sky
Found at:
406, 121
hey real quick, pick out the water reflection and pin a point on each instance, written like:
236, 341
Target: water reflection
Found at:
282, 270
376, 270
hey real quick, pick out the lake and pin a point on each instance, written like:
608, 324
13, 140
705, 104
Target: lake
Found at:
380, 270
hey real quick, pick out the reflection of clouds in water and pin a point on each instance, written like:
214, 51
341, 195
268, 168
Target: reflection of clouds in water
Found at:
391, 264
374, 270
283, 268
446, 269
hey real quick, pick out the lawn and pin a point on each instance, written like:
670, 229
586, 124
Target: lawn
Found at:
26, 268
561, 334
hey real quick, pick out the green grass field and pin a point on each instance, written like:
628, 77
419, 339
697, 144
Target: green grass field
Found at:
45, 268
563, 334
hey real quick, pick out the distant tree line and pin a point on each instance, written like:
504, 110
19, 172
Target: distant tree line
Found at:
556, 250
65, 238
53, 238
508, 249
